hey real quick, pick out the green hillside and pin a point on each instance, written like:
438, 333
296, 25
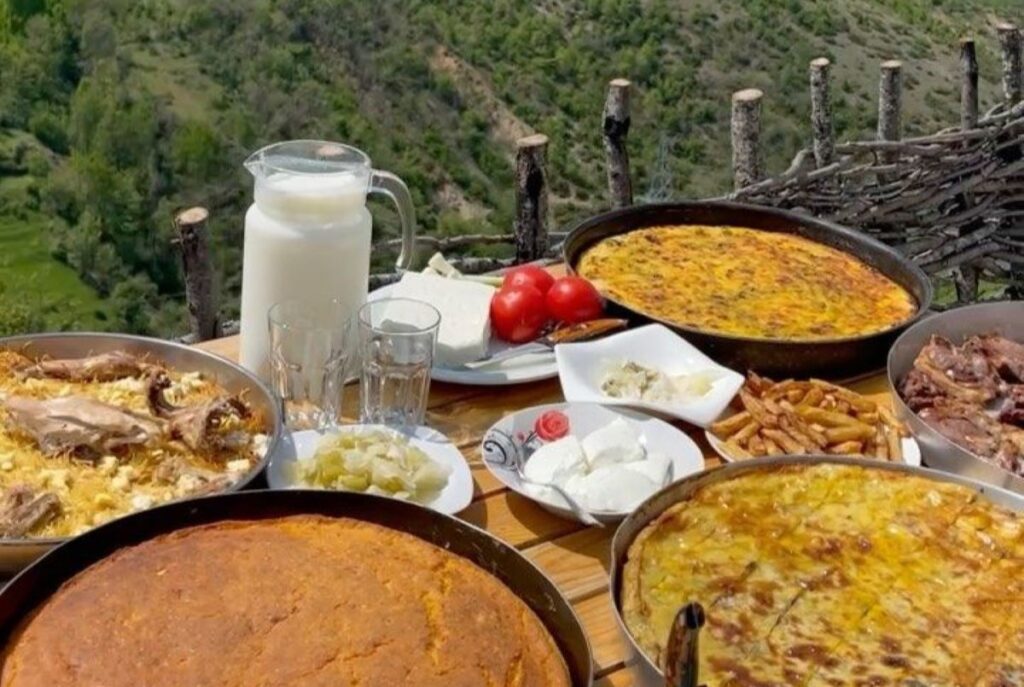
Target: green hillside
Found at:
133, 108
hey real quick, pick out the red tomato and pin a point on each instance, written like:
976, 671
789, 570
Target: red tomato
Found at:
552, 425
518, 314
529, 275
573, 299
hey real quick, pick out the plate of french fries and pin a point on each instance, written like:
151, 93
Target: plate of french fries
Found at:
812, 417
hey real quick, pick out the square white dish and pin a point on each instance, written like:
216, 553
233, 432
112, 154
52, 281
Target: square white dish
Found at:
581, 366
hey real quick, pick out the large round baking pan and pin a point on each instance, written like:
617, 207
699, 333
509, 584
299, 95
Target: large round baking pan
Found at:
956, 325
833, 358
15, 554
647, 674
40, 580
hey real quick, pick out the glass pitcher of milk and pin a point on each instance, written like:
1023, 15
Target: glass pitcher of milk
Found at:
307, 235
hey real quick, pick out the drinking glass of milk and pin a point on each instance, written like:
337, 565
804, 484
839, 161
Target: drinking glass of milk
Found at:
307, 235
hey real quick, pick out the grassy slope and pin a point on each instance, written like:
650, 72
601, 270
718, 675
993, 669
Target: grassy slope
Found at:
29, 274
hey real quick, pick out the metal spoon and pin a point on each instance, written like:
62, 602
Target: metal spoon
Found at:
584, 331
581, 513
513, 456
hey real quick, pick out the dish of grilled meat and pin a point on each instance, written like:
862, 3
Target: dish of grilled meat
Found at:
973, 395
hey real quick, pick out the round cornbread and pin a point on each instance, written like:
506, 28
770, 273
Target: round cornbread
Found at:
300, 601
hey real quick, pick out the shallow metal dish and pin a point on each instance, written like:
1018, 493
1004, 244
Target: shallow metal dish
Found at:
645, 671
15, 554
39, 581
956, 325
832, 358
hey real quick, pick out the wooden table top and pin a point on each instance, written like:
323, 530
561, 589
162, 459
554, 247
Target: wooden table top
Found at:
575, 557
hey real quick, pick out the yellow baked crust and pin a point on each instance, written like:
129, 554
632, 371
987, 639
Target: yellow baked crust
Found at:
745, 282
300, 602
835, 575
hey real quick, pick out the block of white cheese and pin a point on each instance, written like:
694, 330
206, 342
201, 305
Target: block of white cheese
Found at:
556, 462
655, 468
465, 309
610, 488
615, 443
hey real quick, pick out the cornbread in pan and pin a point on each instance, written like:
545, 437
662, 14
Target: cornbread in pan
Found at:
291, 602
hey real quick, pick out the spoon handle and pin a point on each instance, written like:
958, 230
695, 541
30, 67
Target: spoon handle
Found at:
581, 513
508, 354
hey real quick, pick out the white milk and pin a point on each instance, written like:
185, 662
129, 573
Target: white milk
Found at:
306, 236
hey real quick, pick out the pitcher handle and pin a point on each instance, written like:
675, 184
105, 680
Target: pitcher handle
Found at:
389, 185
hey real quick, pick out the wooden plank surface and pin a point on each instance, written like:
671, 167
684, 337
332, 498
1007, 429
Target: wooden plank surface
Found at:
574, 557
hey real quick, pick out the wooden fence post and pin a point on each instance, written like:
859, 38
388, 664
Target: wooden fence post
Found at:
968, 84
197, 265
1013, 63
531, 198
965, 277
821, 113
616, 128
890, 103
746, 137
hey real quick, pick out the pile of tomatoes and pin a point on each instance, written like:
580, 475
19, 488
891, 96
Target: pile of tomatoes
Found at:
531, 298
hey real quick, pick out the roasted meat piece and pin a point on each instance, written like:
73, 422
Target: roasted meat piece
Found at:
962, 373
1011, 451
1004, 355
78, 424
197, 425
191, 480
22, 510
965, 425
1012, 410
919, 391
105, 367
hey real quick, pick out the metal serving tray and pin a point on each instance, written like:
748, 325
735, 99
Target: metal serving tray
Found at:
830, 358
646, 673
15, 554
43, 578
956, 325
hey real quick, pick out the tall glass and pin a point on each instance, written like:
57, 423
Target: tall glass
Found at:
310, 344
396, 346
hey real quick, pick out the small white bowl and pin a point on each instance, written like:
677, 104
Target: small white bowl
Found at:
297, 446
510, 432
581, 366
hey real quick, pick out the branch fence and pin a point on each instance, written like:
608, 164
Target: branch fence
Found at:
953, 201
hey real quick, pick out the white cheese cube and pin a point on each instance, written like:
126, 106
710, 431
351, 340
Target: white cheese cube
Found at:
556, 462
655, 468
611, 488
615, 443
465, 308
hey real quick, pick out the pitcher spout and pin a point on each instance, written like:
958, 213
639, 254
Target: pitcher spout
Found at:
254, 163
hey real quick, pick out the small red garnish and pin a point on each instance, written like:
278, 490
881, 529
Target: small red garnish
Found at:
554, 424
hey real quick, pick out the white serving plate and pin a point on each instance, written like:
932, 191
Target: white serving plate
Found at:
584, 418
296, 446
581, 366
520, 370
911, 449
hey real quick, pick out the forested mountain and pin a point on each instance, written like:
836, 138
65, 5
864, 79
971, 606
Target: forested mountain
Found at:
113, 113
